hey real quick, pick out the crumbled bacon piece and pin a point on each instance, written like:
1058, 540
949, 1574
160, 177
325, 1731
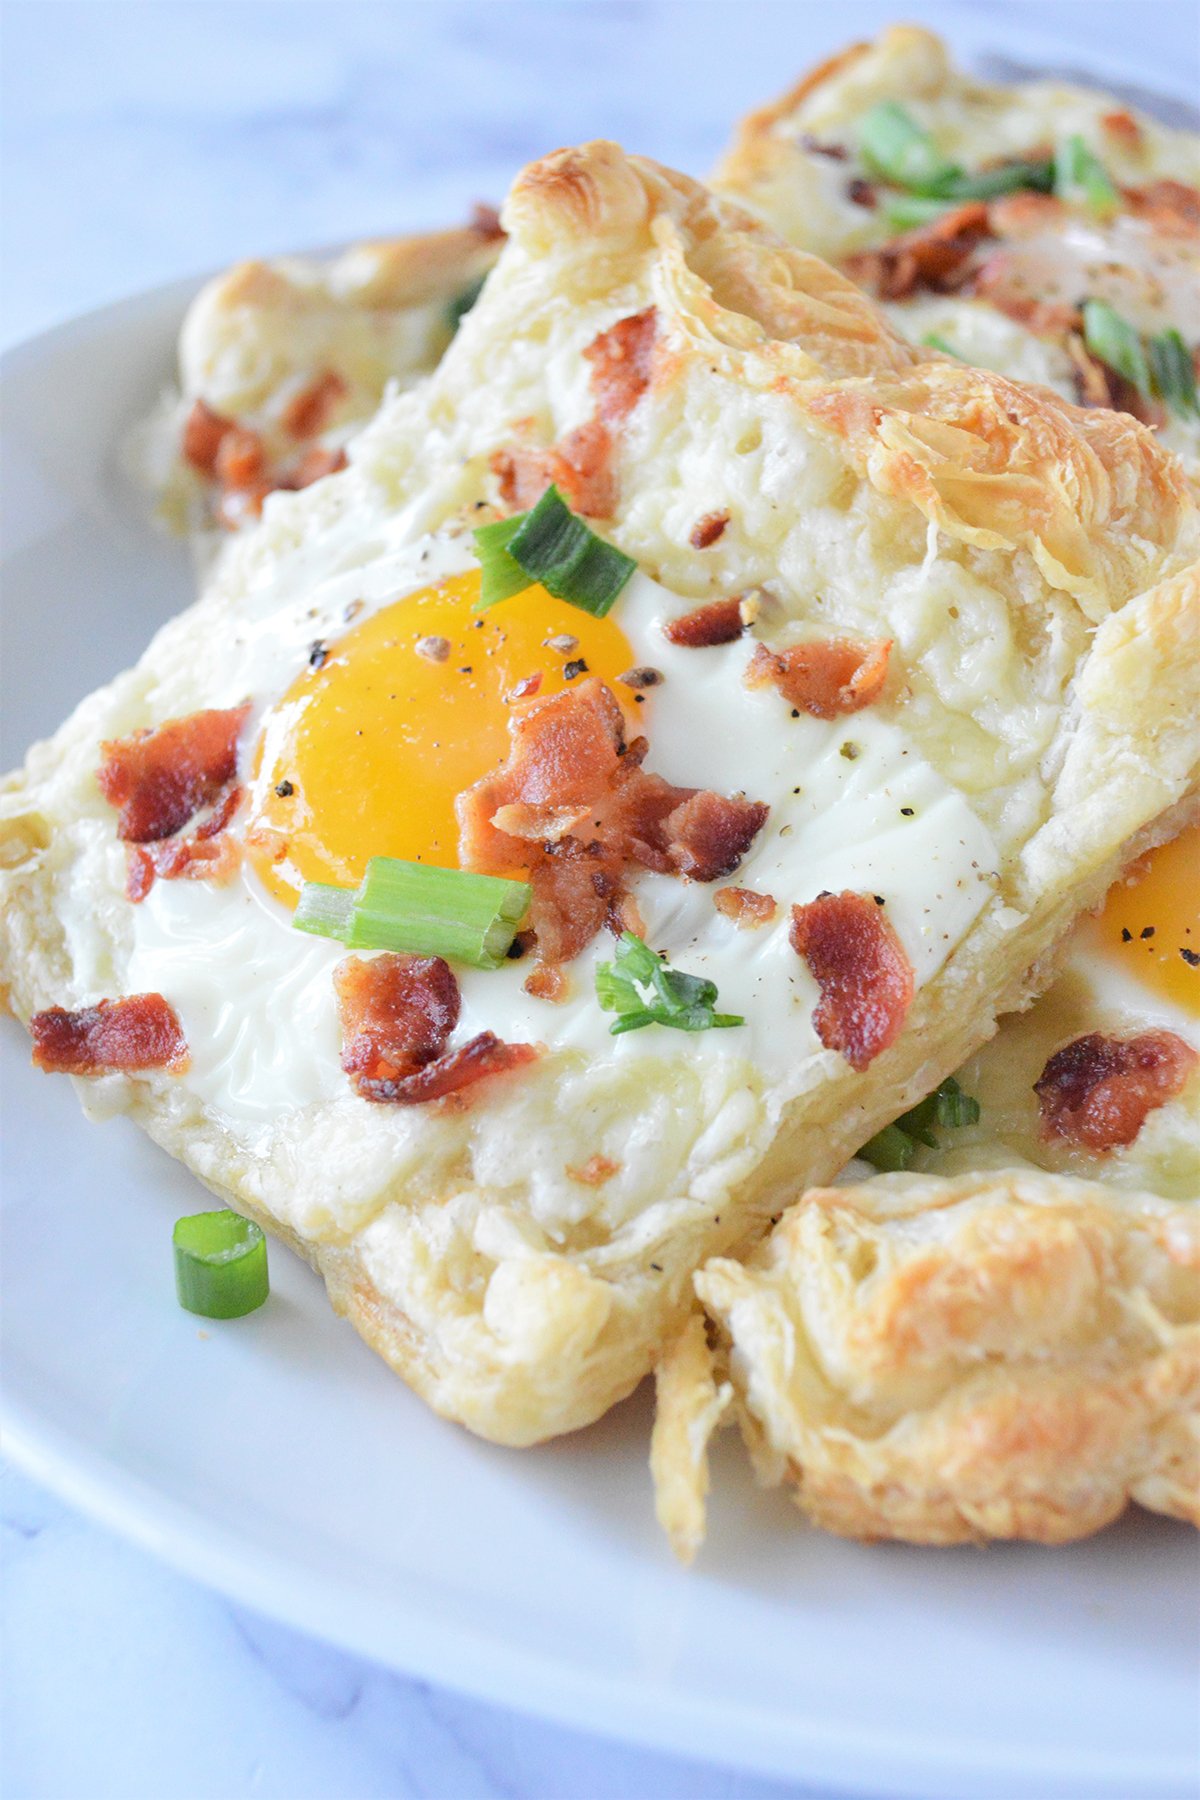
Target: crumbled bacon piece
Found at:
573, 805
203, 433
1171, 205
486, 221
309, 412
708, 834
707, 530
1124, 127
547, 982
825, 677
396, 1014
595, 1171
622, 359
140, 1031
744, 907
1025, 214
241, 460
861, 192
717, 623
205, 854
936, 256
1097, 1091
579, 467
159, 779
860, 966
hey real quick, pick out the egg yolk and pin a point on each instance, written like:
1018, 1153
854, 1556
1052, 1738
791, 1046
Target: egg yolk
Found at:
1151, 923
367, 751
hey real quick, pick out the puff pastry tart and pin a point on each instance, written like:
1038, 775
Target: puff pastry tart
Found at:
901, 677
1046, 231
281, 360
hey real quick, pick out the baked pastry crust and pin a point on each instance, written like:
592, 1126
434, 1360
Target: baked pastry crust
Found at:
793, 163
873, 495
996, 1355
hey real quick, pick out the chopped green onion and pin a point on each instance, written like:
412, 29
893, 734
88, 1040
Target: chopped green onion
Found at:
1005, 178
1173, 373
939, 343
420, 910
907, 212
895, 1146
500, 576
683, 1002
462, 303
1111, 338
554, 546
220, 1264
1080, 175
895, 148
890, 1149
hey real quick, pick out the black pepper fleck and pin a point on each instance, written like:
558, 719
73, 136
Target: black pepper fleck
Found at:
1126, 935
284, 789
906, 812
1147, 931
317, 655
576, 667
1190, 957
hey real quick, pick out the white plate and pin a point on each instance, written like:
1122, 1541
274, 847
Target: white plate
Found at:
277, 1459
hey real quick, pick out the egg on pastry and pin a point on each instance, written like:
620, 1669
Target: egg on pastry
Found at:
281, 360
1047, 232
802, 802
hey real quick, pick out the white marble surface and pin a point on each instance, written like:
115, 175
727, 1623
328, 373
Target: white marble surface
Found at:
141, 141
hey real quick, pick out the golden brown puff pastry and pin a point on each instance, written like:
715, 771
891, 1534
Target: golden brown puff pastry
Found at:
299, 350
1031, 565
1000, 284
940, 1360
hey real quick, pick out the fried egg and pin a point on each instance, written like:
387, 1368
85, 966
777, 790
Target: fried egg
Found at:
363, 750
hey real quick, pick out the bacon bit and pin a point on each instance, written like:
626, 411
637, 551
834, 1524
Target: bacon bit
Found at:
308, 413
826, 677
709, 834
859, 964
486, 221
566, 752
140, 1031
622, 360
595, 1171
744, 907
707, 530
1092, 377
575, 886
396, 1013
314, 465
204, 855
579, 468
1097, 1091
861, 192
203, 434
572, 787
1173, 206
525, 689
161, 778
547, 982
241, 459
935, 256
1025, 214
720, 622
1124, 127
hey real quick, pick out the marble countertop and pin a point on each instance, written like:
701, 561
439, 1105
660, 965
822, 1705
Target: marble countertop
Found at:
143, 140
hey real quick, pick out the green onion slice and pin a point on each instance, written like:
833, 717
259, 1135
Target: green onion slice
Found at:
907, 212
683, 1002
1005, 178
895, 148
895, 1146
1113, 339
420, 910
1080, 175
554, 546
1173, 373
939, 343
220, 1264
